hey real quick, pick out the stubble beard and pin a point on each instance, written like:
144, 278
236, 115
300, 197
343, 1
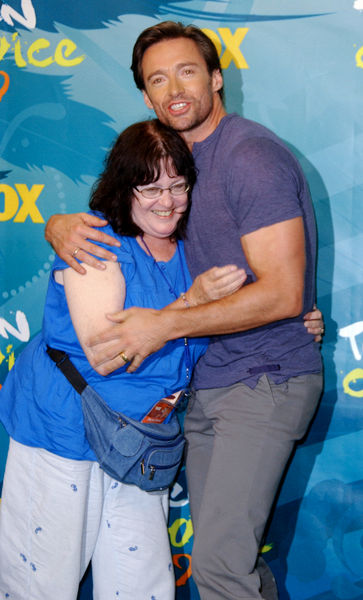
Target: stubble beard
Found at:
195, 120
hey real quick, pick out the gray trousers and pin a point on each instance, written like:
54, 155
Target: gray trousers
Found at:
238, 444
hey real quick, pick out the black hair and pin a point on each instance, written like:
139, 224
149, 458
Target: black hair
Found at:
137, 157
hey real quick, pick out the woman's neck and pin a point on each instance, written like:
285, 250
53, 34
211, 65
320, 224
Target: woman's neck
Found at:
162, 249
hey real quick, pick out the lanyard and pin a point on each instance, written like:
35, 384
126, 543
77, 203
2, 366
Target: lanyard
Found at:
188, 363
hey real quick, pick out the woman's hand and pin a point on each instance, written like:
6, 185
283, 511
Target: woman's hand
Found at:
69, 235
215, 283
314, 323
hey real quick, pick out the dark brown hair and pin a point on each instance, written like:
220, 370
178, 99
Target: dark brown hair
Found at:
170, 30
137, 158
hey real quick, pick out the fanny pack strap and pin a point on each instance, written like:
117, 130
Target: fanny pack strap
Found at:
68, 369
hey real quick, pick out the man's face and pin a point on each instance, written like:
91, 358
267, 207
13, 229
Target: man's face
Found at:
178, 86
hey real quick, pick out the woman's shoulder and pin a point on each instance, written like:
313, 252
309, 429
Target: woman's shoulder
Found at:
105, 228
125, 251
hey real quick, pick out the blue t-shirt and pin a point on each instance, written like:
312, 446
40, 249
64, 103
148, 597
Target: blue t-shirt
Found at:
38, 406
248, 179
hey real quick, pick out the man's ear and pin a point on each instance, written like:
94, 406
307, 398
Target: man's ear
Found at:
217, 80
147, 100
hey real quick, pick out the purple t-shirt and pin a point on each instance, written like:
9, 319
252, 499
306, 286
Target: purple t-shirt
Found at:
248, 179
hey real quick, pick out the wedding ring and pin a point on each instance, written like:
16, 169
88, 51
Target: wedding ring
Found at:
124, 357
321, 330
74, 253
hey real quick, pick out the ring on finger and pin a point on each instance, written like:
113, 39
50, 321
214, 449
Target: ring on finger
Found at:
124, 357
75, 251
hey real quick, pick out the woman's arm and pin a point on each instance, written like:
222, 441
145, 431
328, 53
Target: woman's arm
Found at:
97, 293
90, 297
211, 285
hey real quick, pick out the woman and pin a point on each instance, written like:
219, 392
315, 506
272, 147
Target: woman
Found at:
59, 509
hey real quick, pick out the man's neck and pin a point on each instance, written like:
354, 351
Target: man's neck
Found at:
205, 129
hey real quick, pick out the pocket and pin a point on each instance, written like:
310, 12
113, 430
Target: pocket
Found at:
295, 403
279, 391
160, 465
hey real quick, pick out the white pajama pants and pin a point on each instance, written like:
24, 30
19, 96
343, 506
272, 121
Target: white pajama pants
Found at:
58, 514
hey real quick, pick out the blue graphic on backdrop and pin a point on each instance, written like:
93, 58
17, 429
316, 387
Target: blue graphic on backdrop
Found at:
27, 13
46, 128
76, 14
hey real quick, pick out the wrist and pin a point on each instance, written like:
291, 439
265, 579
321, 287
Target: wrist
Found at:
188, 298
171, 323
185, 300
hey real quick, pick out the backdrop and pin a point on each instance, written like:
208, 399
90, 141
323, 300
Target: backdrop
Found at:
66, 90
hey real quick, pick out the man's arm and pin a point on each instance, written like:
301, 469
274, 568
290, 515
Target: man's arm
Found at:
276, 254
70, 233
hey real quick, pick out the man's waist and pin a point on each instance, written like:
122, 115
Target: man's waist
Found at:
221, 366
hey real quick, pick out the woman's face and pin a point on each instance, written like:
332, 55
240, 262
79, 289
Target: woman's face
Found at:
158, 216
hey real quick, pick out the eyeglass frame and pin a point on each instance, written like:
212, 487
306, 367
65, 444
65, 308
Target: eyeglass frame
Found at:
164, 189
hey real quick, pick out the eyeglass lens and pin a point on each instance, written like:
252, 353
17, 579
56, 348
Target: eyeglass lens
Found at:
175, 190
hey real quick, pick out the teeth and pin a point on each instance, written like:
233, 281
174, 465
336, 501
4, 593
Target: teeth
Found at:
178, 106
163, 213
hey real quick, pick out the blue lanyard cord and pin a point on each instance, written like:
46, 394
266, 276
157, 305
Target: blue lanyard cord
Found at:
188, 362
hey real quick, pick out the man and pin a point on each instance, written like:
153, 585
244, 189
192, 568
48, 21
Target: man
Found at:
257, 389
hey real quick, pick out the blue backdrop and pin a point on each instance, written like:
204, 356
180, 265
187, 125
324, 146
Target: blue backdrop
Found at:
66, 90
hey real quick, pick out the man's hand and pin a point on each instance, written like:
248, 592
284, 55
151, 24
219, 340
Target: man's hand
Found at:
130, 339
68, 235
138, 332
314, 323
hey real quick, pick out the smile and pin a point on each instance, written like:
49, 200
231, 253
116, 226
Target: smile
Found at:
176, 106
163, 213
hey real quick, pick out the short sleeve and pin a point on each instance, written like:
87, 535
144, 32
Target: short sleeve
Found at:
265, 185
124, 253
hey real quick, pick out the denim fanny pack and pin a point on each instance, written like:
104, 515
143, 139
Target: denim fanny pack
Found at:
144, 454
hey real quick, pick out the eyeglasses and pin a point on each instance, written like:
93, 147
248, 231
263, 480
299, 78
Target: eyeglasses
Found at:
177, 189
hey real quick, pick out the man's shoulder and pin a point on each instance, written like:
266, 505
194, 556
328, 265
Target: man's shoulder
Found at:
253, 144
239, 130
